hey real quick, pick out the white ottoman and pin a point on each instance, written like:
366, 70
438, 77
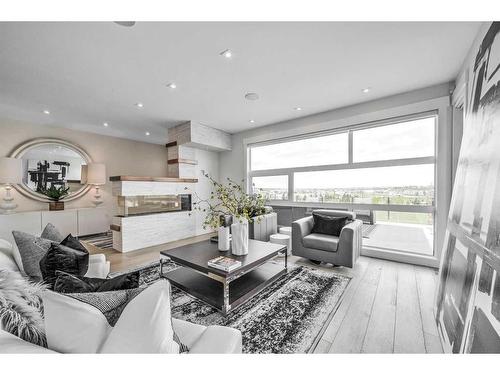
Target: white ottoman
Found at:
282, 239
288, 232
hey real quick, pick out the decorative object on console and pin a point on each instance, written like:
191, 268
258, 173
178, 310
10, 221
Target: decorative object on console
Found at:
96, 176
50, 162
55, 194
231, 200
10, 173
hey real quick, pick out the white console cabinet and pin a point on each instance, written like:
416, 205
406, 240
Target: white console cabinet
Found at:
78, 222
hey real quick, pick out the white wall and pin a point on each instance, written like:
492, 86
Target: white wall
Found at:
121, 156
233, 163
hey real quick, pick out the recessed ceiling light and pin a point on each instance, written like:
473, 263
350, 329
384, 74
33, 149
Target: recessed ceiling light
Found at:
366, 90
105, 124
251, 96
227, 53
148, 133
252, 121
298, 108
140, 105
171, 85
46, 111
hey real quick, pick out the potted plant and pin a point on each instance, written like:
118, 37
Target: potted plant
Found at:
55, 194
230, 205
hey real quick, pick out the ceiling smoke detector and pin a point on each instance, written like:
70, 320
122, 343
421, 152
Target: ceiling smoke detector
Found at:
125, 23
251, 96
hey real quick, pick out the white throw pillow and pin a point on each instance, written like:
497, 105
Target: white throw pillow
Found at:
11, 251
144, 326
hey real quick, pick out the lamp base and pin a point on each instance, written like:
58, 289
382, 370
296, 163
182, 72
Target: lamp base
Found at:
8, 206
97, 201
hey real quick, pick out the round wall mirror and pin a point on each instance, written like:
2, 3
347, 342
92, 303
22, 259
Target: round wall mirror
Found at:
51, 162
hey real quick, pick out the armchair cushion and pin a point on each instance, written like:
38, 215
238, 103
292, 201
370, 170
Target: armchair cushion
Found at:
330, 225
321, 242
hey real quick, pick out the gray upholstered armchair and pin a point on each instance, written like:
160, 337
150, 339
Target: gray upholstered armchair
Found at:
340, 251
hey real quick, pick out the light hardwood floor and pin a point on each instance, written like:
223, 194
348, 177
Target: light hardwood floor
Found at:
387, 307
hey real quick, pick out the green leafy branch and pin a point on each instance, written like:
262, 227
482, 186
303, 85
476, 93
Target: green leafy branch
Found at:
228, 200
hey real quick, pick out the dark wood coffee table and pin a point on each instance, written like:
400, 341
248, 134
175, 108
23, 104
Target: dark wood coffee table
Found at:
224, 290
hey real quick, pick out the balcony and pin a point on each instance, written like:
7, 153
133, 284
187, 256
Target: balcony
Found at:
413, 238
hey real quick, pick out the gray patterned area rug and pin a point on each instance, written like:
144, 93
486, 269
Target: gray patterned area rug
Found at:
288, 316
102, 240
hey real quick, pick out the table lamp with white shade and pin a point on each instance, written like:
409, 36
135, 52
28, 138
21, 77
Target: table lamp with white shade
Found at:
11, 172
94, 174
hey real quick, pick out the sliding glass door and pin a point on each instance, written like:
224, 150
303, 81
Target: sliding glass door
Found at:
385, 172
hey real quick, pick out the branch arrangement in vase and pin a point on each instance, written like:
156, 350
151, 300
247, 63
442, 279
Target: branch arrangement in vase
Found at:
228, 200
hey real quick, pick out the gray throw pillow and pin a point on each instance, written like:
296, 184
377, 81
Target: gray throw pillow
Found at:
51, 233
32, 249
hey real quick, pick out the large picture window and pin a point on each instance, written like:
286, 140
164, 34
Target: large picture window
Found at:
321, 150
403, 185
386, 169
410, 139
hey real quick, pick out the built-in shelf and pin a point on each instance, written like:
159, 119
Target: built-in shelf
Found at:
182, 161
153, 179
116, 228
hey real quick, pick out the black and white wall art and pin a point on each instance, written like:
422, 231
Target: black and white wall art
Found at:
48, 165
468, 300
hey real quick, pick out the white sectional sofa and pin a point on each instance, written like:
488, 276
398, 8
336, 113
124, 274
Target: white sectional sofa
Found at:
199, 339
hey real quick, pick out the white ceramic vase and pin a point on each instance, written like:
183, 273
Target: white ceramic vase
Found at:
239, 231
223, 234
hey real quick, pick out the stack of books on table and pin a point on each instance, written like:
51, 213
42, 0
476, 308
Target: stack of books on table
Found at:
224, 263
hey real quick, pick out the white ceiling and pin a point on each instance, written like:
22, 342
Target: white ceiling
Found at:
90, 73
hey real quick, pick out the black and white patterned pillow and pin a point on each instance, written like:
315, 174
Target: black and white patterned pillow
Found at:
112, 304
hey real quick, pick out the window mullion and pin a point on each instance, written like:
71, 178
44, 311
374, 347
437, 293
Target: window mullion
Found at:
350, 147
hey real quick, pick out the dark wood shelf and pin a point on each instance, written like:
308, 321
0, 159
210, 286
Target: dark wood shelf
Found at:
153, 179
182, 161
116, 228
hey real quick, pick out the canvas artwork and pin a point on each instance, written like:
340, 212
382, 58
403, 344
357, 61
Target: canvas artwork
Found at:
468, 300
41, 174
